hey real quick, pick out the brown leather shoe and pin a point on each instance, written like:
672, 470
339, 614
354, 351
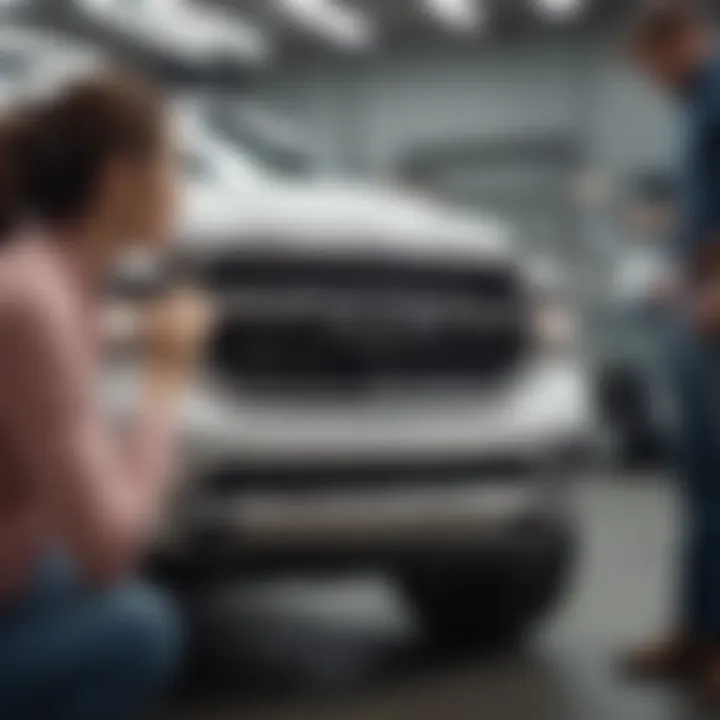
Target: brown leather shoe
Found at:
677, 658
711, 680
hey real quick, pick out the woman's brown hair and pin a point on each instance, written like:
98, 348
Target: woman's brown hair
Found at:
53, 152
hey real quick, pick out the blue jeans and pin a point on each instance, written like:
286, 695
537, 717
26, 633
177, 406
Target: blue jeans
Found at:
696, 364
69, 653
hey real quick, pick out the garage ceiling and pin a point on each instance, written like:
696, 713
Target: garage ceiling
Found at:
154, 26
408, 18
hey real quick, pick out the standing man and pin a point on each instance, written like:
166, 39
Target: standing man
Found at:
672, 42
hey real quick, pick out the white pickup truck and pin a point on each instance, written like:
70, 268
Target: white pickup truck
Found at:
391, 386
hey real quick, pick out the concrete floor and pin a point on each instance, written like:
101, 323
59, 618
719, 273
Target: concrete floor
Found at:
622, 593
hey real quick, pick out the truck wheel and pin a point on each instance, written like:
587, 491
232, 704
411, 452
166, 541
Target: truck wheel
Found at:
462, 612
486, 608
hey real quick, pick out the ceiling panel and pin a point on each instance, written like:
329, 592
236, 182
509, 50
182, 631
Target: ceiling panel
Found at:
406, 16
401, 24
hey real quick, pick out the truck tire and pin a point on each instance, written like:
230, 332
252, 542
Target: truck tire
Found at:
487, 607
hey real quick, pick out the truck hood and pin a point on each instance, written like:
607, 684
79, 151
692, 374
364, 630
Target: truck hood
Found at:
335, 217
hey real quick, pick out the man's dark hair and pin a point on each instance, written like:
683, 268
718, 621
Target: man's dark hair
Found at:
658, 21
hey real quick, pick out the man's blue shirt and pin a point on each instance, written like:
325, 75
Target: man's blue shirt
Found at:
702, 163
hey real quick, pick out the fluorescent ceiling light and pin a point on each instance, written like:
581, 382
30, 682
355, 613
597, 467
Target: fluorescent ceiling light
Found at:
561, 8
337, 22
36, 44
457, 15
33, 61
182, 27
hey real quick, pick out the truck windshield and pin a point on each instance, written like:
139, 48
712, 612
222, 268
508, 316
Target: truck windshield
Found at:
265, 140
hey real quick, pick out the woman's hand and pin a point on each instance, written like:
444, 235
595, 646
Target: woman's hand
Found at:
174, 331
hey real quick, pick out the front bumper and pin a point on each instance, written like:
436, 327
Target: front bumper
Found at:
447, 521
521, 548
459, 477
544, 406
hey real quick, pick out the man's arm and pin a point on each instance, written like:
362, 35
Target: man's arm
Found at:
703, 219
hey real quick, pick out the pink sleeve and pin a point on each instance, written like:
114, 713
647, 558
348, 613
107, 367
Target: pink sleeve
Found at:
150, 447
102, 497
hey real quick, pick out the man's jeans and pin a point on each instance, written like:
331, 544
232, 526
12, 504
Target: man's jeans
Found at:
69, 653
696, 369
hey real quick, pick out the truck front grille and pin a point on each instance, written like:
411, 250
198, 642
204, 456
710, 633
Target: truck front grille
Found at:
305, 322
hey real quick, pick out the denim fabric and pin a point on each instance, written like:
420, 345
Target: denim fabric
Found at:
69, 653
696, 370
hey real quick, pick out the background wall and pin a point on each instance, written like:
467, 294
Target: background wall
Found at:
364, 115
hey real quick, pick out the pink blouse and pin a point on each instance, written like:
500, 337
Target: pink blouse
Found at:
65, 480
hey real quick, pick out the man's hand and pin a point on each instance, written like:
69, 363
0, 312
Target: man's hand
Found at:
706, 310
666, 292
705, 298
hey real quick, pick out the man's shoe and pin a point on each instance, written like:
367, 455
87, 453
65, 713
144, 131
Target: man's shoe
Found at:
711, 679
674, 659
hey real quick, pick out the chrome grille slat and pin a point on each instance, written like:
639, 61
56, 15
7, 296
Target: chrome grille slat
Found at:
352, 324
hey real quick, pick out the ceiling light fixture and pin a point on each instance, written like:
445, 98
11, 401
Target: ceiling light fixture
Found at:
184, 28
560, 9
340, 23
457, 15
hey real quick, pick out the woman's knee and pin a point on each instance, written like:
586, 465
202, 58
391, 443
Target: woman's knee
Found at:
148, 633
